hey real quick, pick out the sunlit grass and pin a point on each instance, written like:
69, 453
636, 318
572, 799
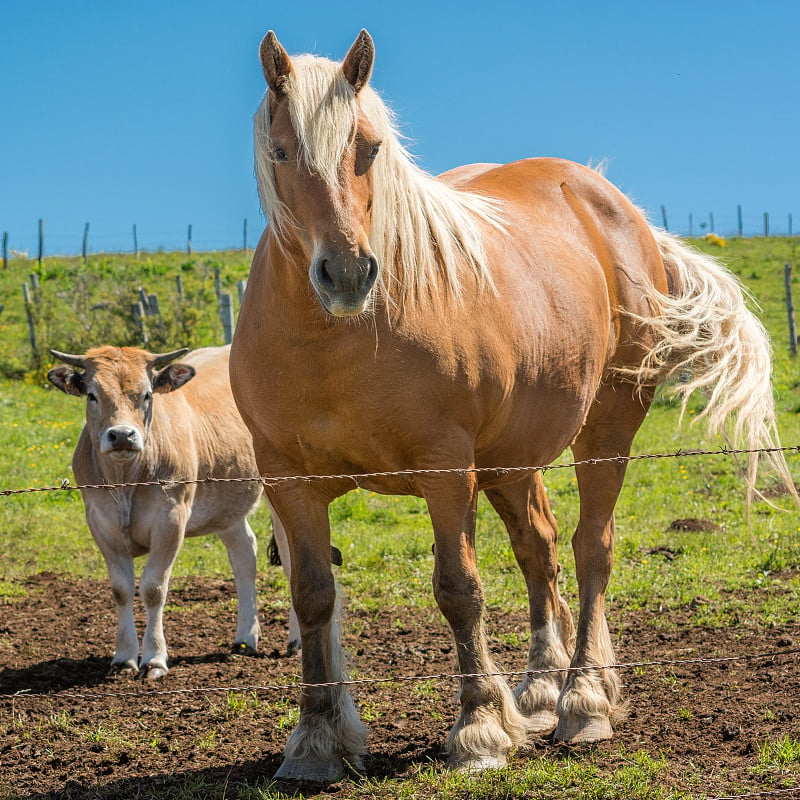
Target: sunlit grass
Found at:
728, 575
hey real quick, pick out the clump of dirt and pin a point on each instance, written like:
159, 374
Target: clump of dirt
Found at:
90, 737
693, 525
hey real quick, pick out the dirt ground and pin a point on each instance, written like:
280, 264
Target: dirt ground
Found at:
707, 719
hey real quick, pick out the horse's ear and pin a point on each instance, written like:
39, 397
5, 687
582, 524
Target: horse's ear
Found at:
275, 62
357, 64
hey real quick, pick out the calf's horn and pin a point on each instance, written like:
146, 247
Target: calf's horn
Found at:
73, 361
162, 359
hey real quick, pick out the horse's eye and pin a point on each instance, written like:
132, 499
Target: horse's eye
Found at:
279, 154
374, 152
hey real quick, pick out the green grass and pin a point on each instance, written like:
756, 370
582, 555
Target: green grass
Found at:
778, 757
391, 536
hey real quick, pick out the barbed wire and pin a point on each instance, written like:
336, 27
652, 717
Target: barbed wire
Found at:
766, 793
665, 662
269, 480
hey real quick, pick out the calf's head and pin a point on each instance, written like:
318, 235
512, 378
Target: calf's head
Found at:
119, 383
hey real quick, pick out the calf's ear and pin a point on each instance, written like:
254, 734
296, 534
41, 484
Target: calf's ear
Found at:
172, 377
68, 380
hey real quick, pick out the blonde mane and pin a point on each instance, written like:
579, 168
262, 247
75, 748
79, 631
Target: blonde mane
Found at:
424, 233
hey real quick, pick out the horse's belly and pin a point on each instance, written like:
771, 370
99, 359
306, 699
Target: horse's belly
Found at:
534, 431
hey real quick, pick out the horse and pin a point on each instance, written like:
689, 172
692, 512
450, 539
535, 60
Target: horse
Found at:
440, 329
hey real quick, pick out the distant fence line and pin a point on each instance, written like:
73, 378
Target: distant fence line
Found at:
695, 224
692, 224
146, 310
41, 246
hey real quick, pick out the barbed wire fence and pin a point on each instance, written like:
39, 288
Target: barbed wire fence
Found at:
399, 680
358, 478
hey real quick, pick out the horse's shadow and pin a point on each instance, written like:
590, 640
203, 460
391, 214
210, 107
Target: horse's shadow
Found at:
219, 782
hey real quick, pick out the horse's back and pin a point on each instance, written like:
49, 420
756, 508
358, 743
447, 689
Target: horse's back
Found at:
575, 232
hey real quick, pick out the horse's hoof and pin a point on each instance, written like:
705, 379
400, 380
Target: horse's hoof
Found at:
480, 764
122, 668
243, 649
540, 723
583, 730
295, 769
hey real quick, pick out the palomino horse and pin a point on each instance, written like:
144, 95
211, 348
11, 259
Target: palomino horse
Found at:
488, 318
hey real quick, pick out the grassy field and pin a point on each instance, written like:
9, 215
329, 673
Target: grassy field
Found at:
83, 306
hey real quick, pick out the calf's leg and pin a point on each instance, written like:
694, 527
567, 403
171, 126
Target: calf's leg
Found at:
240, 542
153, 587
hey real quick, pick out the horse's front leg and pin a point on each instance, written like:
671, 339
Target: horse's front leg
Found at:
330, 734
489, 725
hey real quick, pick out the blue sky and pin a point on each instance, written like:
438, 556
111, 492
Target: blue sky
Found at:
122, 113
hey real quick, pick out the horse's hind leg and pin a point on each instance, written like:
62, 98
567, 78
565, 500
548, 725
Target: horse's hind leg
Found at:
489, 725
524, 509
591, 699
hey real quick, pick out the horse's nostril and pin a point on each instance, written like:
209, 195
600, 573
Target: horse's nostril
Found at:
323, 276
372, 273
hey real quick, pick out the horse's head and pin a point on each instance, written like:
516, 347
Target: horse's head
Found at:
315, 150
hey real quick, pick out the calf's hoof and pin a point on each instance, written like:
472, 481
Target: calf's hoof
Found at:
293, 647
243, 649
122, 668
152, 672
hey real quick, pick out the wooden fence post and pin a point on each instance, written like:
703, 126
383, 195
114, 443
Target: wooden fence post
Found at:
137, 309
787, 279
41, 242
143, 299
664, 218
217, 284
244, 236
179, 285
29, 314
241, 287
766, 223
226, 315
152, 306
85, 242
135, 243
711, 221
739, 218
5, 249
189, 241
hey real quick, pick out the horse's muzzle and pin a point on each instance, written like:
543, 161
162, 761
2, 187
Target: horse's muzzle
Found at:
344, 285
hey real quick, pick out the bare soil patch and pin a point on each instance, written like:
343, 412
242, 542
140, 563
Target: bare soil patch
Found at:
708, 719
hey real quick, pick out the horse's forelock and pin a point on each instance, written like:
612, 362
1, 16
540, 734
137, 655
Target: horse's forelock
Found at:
322, 106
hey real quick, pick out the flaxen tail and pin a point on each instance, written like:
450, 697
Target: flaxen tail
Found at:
710, 340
